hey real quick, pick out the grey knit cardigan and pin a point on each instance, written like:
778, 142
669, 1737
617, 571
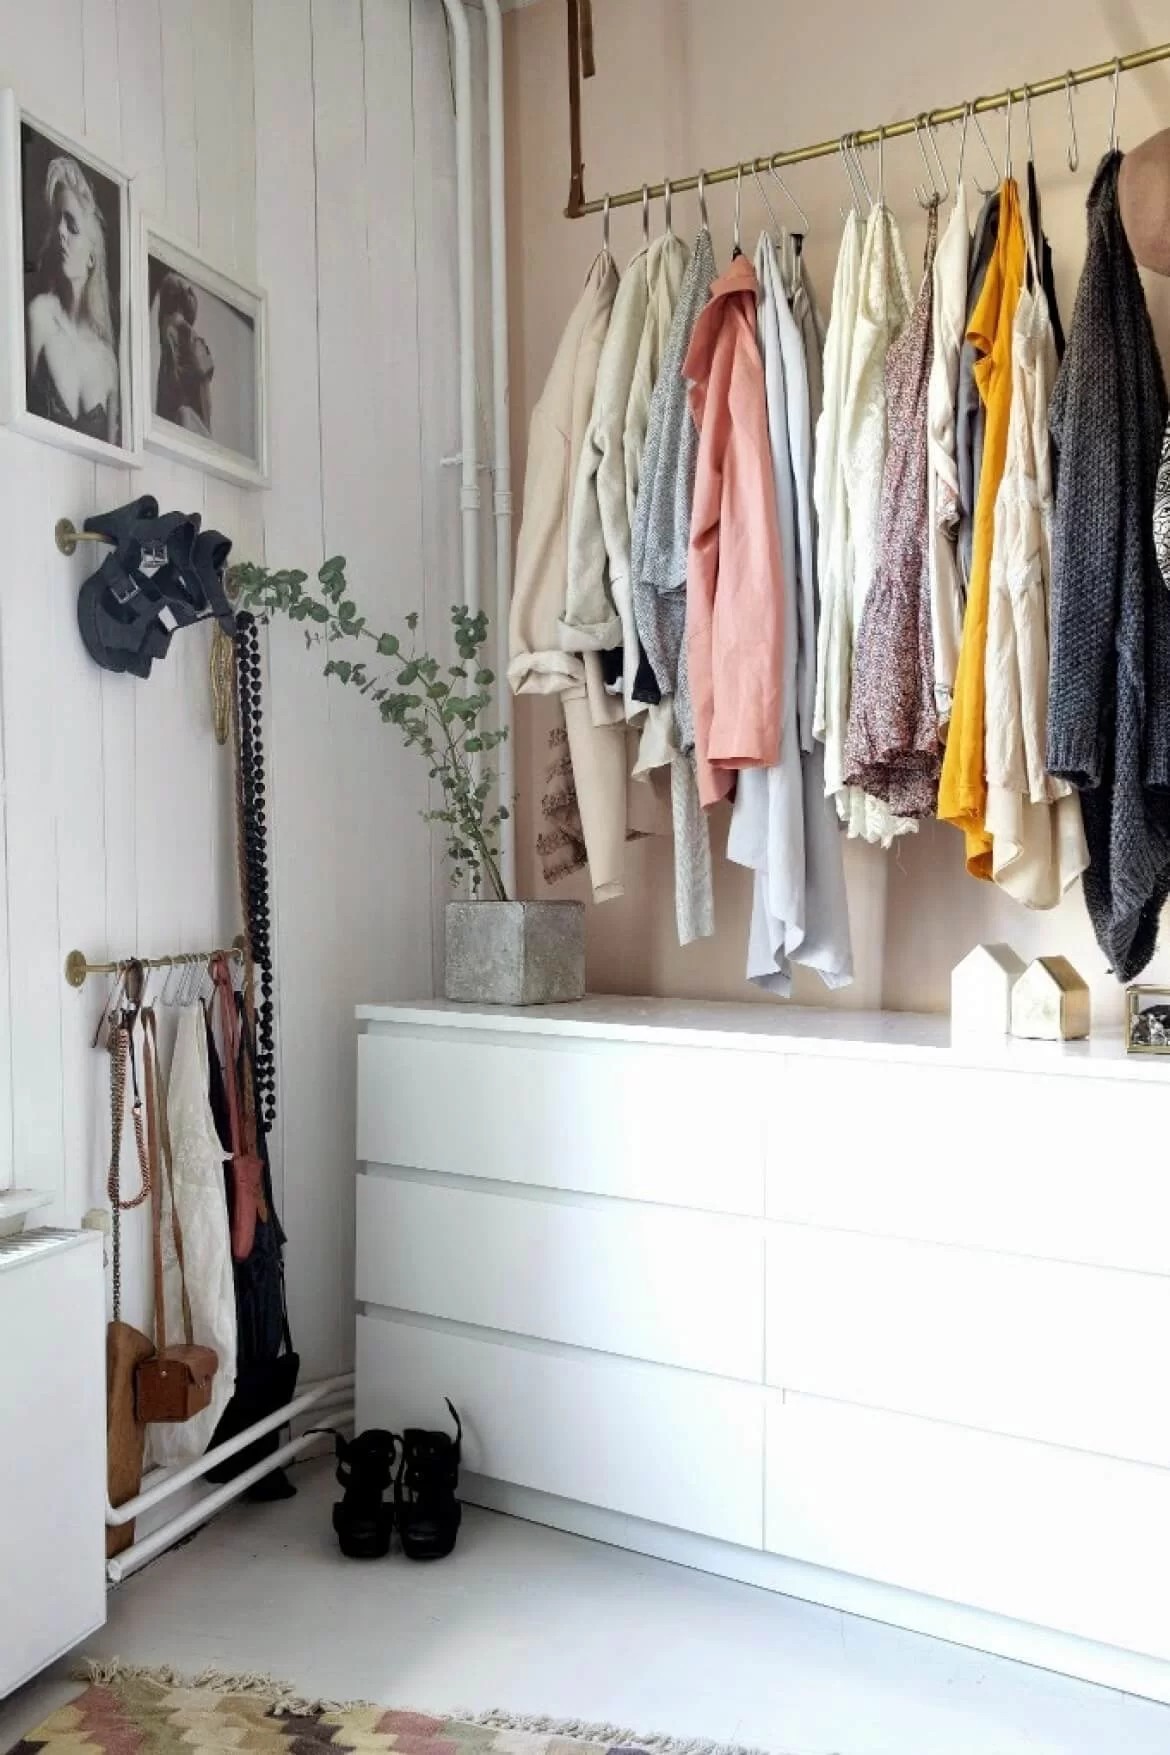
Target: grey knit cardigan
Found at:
1109, 699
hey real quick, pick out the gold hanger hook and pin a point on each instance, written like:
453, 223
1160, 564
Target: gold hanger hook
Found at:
991, 158
737, 243
853, 141
605, 249
1074, 150
645, 214
805, 223
930, 195
1007, 137
704, 219
1028, 124
1116, 95
667, 216
765, 197
854, 198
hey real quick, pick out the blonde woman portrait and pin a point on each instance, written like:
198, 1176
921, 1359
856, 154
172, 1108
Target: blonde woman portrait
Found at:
72, 357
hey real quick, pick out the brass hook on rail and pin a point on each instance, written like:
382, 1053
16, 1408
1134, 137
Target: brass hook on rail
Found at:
67, 536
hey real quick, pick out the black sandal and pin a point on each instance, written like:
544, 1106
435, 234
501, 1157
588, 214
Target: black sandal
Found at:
118, 618
429, 1514
365, 1468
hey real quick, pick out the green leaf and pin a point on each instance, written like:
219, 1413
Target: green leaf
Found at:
484, 677
389, 645
412, 620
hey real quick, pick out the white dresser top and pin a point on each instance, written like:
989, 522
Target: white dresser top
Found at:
778, 1029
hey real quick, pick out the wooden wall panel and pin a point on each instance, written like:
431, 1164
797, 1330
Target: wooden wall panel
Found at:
279, 136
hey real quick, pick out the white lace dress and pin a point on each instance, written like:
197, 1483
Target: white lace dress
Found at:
201, 1202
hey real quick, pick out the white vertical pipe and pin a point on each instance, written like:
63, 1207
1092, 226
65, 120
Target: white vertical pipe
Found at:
469, 499
502, 436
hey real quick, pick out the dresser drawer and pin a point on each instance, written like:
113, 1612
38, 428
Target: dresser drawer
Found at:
1067, 1168
1056, 1537
643, 1440
1072, 1355
655, 1283
677, 1125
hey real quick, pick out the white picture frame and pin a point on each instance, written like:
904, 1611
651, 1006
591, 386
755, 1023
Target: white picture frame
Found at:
218, 326
97, 193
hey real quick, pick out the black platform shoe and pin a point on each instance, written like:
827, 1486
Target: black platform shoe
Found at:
424, 1494
365, 1468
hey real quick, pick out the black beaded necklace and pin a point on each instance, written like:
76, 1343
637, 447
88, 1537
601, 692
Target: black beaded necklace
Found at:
254, 856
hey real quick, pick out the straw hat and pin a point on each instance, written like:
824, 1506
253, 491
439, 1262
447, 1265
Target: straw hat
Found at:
1144, 190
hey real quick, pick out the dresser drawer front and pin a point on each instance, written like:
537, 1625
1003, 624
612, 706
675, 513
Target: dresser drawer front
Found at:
654, 1283
643, 1440
1064, 1168
675, 1125
1072, 1355
1056, 1537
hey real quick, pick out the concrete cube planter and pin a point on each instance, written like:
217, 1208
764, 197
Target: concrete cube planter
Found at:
515, 953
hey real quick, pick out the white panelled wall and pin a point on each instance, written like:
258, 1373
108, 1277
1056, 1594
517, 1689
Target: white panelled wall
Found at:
118, 800
306, 145
355, 207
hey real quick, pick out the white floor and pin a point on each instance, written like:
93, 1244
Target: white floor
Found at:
538, 1622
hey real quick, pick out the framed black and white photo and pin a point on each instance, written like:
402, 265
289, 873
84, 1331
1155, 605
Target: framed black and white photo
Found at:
1147, 1021
202, 362
65, 254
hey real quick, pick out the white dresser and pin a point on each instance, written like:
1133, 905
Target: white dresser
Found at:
52, 1448
810, 1299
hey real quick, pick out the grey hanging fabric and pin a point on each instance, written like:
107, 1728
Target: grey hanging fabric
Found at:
1109, 700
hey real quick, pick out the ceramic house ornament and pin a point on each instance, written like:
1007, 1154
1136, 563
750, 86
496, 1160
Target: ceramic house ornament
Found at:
1050, 1002
981, 991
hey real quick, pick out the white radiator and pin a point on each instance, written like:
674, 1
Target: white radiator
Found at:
52, 1448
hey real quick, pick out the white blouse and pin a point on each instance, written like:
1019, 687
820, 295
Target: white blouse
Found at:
1038, 841
951, 264
851, 441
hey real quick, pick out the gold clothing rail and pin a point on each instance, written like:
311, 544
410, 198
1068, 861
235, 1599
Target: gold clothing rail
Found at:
78, 967
579, 208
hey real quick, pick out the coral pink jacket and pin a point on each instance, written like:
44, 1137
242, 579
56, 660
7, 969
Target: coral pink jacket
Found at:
734, 583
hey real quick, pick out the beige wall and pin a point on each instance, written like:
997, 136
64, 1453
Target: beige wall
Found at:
687, 82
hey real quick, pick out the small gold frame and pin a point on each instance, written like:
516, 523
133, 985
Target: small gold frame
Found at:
1133, 1011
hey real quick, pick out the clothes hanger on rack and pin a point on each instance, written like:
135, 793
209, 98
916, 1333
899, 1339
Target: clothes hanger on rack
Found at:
1074, 151
991, 158
704, 218
767, 200
968, 114
646, 216
1113, 138
930, 193
805, 222
736, 244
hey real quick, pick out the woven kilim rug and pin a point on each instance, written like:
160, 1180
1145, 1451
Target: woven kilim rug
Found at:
126, 1711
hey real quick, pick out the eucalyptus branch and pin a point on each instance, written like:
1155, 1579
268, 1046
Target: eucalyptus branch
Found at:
445, 720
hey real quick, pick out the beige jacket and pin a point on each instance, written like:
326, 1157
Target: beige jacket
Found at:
1037, 837
599, 525
539, 665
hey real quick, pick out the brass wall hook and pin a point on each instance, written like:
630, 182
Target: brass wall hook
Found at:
67, 536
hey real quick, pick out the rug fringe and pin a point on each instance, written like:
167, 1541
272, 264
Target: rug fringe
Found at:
110, 1672
582, 1731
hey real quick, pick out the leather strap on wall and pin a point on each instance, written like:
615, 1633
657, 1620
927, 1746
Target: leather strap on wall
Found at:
581, 64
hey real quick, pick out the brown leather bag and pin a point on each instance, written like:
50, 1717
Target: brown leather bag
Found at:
175, 1382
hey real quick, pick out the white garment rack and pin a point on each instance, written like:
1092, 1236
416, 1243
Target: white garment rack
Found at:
332, 1398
